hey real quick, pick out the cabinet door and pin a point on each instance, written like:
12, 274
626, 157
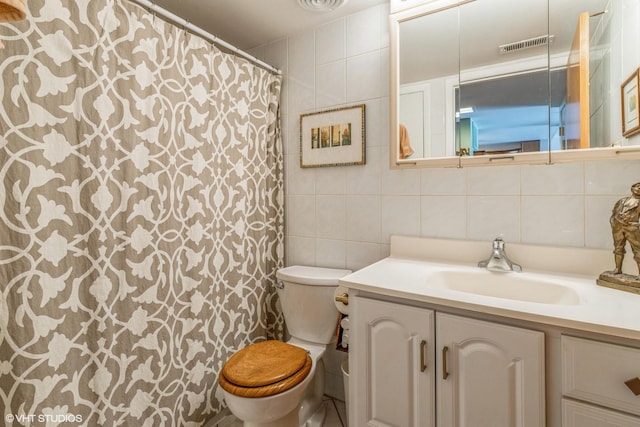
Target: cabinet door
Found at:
391, 364
490, 374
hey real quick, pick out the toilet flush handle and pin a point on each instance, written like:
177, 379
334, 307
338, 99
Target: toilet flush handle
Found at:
279, 284
343, 298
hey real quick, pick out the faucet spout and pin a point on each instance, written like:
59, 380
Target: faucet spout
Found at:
498, 260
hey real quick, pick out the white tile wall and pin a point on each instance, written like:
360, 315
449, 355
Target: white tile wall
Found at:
342, 216
363, 32
330, 42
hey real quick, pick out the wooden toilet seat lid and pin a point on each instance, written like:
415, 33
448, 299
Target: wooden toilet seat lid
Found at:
265, 369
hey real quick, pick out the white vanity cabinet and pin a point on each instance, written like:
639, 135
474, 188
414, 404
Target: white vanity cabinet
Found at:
536, 348
485, 374
594, 386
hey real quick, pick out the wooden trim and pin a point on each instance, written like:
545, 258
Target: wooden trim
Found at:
636, 129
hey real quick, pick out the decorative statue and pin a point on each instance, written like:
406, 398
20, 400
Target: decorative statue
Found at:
625, 226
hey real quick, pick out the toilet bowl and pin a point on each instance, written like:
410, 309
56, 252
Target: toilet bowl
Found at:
263, 384
281, 384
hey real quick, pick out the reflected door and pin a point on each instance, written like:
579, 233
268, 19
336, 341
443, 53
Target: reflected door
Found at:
413, 118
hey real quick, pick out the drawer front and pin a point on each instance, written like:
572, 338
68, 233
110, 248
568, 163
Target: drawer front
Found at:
596, 372
576, 414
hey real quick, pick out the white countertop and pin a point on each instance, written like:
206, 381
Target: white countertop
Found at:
600, 310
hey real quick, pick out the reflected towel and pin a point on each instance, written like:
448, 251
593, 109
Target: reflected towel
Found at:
405, 143
12, 10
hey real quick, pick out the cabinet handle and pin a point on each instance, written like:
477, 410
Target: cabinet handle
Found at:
634, 385
423, 356
445, 369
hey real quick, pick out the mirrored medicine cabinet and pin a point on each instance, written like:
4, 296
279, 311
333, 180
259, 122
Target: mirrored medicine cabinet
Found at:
480, 82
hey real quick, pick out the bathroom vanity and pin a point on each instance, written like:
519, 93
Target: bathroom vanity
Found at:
437, 341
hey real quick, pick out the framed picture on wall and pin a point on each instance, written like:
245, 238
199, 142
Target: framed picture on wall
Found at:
630, 107
333, 137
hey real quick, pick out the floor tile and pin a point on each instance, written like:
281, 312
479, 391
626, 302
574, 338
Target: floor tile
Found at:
334, 418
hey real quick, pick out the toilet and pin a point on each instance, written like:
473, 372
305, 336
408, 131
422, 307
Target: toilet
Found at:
281, 384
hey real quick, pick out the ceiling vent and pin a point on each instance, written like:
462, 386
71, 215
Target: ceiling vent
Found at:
525, 44
321, 5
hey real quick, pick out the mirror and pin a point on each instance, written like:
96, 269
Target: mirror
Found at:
484, 81
504, 78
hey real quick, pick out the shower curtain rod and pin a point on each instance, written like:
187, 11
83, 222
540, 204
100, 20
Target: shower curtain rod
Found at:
147, 4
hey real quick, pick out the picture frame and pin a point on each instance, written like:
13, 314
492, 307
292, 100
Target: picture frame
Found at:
333, 137
630, 97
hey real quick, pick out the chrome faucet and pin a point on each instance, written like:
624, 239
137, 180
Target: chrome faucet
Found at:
498, 260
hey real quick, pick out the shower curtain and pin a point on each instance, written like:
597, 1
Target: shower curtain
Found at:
141, 216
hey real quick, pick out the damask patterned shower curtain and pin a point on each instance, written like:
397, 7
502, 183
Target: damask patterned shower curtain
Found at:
140, 216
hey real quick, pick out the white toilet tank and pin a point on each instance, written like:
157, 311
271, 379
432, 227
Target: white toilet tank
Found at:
306, 295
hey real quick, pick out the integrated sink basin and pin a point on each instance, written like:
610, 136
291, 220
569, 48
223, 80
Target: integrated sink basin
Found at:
512, 286
557, 286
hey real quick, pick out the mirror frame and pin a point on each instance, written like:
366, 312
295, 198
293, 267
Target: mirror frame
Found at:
544, 157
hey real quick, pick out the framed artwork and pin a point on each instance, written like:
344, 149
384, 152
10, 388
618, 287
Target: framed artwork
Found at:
630, 107
333, 137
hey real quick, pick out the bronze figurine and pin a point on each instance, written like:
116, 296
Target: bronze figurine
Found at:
625, 227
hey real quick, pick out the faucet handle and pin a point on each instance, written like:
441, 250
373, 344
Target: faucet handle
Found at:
498, 260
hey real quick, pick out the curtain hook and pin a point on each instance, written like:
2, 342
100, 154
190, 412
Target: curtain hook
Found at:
212, 48
187, 33
150, 8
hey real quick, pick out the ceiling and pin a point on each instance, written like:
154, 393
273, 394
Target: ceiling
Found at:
431, 43
250, 23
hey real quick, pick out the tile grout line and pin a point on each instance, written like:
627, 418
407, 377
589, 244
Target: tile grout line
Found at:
333, 401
